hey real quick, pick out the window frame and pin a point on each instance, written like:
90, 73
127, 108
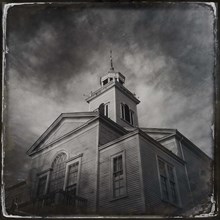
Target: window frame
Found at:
123, 115
53, 170
71, 161
40, 176
131, 112
122, 111
106, 106
104, 82
169, 190
112, 157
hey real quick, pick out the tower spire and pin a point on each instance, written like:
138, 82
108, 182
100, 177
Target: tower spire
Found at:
111, 62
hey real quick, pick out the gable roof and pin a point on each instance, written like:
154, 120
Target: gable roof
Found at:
159, 133
55, 127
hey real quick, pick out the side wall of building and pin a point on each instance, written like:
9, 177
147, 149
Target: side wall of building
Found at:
106, 97
122, 98
108, 134
84, 143
133, 202
152, 183
199, 172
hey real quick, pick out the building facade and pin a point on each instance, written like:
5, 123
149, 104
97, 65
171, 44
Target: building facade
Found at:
102, 162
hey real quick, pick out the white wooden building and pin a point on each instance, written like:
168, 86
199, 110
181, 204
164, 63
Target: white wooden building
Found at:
102, 162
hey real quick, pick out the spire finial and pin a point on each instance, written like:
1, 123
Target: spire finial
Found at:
111, 62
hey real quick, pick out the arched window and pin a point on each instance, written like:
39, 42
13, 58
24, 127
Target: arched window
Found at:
101, 108
58, 172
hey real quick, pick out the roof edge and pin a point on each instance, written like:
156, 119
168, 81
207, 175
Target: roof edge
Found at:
146, 136
56, 123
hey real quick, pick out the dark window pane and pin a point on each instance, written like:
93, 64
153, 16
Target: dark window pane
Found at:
41, 186
170, 171
122, 111
127, 113
72, 174
118, 178
162, 168
173, 191
105, 81
101, 109
164, 187
132, 117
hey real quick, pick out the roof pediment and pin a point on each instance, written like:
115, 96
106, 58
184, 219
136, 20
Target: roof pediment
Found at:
64, 124
158, 133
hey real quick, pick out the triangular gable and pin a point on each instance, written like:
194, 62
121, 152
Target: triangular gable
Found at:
158, 133
64, 124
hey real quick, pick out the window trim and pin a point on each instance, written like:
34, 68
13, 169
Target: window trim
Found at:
123, 154
122, 112
178, 203
52, 167
106, 105
41, 175
131, 114
75, 159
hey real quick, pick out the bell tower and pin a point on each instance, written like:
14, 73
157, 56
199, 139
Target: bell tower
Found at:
113, 100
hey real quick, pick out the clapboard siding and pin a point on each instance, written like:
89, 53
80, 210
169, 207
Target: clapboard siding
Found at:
199, 172
133, 203
107, 134
154, 203
85, 142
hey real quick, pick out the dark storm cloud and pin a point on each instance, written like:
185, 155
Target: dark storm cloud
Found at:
57, 54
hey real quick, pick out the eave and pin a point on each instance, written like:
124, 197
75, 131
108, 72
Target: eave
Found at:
56, 123
98, 116
109, 86
147, 137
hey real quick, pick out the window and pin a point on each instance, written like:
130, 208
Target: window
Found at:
118, 176
58, 172
72, 177
72, 174
163, 179
122, 111
105, 82
172, 184
106, 109
103, 109
132, 117
41, 185
168, 182
127, 114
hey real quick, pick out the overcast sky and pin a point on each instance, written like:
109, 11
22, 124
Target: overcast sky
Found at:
57, 54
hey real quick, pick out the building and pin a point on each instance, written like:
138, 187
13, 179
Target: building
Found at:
102, 162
